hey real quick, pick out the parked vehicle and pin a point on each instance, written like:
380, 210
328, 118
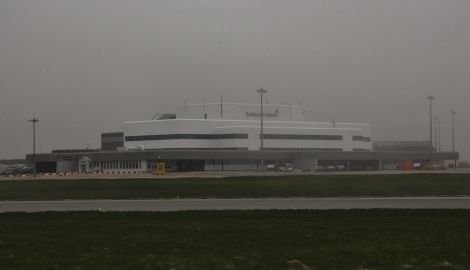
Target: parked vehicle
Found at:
282, 167
286, 167
331, 168
271, 167
432, 167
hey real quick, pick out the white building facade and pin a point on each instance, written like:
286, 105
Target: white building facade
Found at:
236, 126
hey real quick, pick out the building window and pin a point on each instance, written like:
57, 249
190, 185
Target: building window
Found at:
358, 138
304, 149
302, 137
186, 137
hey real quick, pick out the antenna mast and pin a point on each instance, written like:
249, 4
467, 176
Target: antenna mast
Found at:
222, 106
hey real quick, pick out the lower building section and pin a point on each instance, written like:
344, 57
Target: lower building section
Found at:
232, 160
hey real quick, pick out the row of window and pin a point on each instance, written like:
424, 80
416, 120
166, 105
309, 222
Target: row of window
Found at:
304, 149
361, 138
112, 135
241, 136
186, 137
231, 162
302, 137
360, 150
117, 164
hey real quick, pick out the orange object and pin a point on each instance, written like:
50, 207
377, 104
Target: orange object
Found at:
407, 165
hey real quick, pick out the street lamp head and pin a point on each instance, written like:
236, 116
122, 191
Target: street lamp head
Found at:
431, 98
34, 120
262, 90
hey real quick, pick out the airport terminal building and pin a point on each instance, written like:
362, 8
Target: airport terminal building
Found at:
228, 136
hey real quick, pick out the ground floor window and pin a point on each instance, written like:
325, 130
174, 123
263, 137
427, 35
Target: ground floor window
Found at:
120, 165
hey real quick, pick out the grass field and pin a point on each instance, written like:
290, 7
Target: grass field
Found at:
354, 239
254, 187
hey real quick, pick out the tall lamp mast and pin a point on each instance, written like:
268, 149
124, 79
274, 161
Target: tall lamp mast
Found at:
262, 91
453, 137
34, 120
431, 99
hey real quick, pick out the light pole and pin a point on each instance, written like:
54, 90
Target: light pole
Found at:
430, 98
34, 121
262, 91
439, 136
453, 137
437, 130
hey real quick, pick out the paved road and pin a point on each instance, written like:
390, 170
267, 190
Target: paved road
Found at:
238, 204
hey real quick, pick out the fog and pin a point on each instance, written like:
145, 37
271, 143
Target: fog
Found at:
84, 67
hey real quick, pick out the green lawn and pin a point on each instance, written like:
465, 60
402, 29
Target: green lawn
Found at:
349, 239
255, 187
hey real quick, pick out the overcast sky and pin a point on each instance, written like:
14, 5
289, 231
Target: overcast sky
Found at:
86, 66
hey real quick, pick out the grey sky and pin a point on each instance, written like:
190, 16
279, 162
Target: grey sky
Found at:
87, 66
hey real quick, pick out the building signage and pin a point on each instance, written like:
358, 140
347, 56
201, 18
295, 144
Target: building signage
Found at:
274, 114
